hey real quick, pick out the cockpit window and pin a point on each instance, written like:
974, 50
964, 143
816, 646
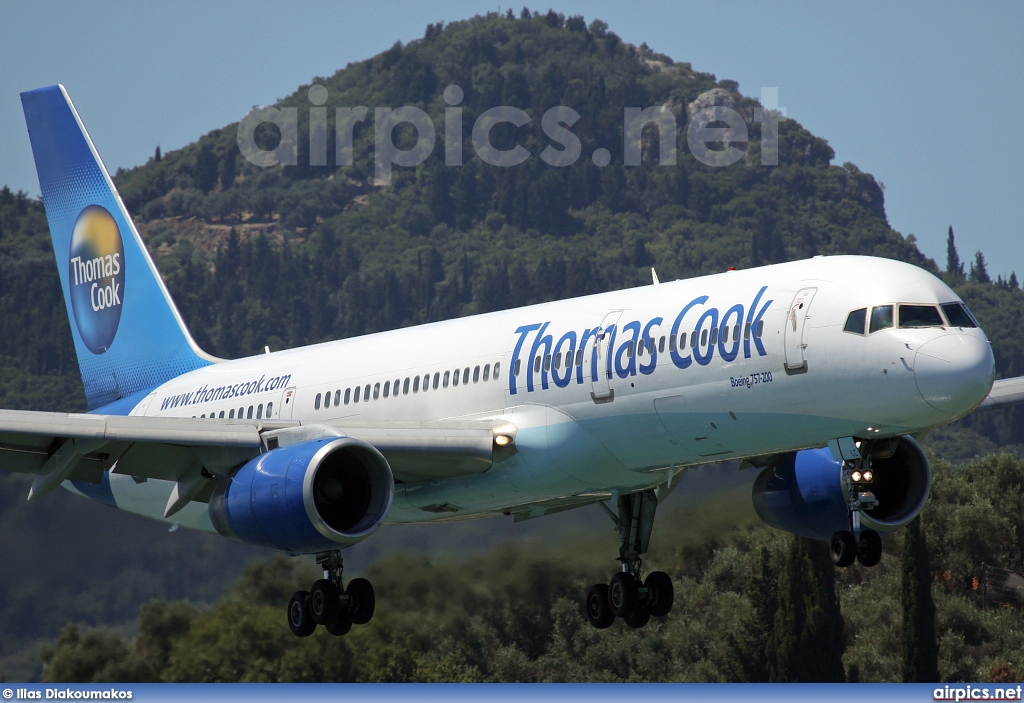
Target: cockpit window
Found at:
855, 321
881, 317
958, 315
920, 316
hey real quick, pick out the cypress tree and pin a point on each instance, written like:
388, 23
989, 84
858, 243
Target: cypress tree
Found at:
807, 640
920, 649
979, 270
954, 266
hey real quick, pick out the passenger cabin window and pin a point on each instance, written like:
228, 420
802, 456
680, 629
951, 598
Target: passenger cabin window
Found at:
358, 391
316, 404
881, 317
231, 415
348, 395
672, 341
760, 329
416, 385
455, 376
405, 386
426, 382
376, 391
437, 379
387, 388
497, 367
327, 399
920, 316
476, 374
337, 396
958, 315
704, 338
259, 412
444, 383
249, 414
487, 367
855, 321
465, 376
270, 408
515, 372
366, 393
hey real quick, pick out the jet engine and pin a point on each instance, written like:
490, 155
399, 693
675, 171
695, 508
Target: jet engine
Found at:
314, 496
802, 492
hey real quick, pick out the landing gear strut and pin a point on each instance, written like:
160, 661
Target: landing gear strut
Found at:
858, 542
628, 596
329, 603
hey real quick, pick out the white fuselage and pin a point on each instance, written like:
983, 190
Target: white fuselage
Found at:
800, 382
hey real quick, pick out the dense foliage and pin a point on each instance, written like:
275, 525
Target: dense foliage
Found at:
288, 256
515, 613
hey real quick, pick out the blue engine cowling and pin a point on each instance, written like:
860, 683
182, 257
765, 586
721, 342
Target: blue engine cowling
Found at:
314, 496
802, 492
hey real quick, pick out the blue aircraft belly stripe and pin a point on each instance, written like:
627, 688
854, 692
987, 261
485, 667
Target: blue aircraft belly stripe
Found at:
97, 491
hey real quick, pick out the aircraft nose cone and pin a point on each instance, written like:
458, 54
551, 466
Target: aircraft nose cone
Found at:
954, 373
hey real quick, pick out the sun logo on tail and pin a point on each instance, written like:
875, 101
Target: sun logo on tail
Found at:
96, 277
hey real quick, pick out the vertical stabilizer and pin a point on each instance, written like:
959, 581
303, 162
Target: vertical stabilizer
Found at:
129, 336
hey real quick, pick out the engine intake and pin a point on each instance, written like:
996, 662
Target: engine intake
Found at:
802, 492
308, 497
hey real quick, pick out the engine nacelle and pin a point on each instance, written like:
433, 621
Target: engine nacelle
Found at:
802, 492
314, 496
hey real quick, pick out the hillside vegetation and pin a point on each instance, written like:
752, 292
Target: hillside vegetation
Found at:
293, 255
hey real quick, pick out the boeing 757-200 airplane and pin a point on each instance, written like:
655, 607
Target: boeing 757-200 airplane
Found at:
814, 371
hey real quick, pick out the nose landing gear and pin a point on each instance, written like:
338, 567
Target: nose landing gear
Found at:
329, 603
858, 543
626, 595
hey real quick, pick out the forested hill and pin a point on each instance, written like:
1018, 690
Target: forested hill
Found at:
291, 255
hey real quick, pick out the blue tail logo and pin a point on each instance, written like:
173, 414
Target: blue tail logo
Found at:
129, 336
97, 277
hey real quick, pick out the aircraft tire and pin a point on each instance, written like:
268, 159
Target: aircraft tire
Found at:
599, 611
324, 602
363, 601
869, 551
660, 593
623, 594
843, 548
640, 617
340, 626
300, 620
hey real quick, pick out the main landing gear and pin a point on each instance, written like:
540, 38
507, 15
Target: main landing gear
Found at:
858, 543
628, 596
329, 603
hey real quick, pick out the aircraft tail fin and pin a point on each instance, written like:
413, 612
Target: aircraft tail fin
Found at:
129, 336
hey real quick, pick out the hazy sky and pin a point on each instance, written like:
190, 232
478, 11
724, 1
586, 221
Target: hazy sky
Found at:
927, 96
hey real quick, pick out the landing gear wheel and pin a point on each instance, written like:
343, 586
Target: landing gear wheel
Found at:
843, 548
639, 618
324, 602
623, 594
300, 621
869, 551
341, 625
660, 593
363, 601
599, 610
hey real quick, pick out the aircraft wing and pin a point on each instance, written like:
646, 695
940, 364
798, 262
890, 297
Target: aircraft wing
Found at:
60, 446
1005, 393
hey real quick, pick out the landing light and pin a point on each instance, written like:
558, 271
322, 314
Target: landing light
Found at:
856, 476
503, 440
868, 476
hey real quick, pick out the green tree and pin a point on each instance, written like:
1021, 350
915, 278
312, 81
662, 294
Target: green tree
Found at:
979, 271
807, 640
954, 267
919, 648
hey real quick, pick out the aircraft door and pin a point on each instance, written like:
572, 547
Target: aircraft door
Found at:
286, 404
602, 391
796, 330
